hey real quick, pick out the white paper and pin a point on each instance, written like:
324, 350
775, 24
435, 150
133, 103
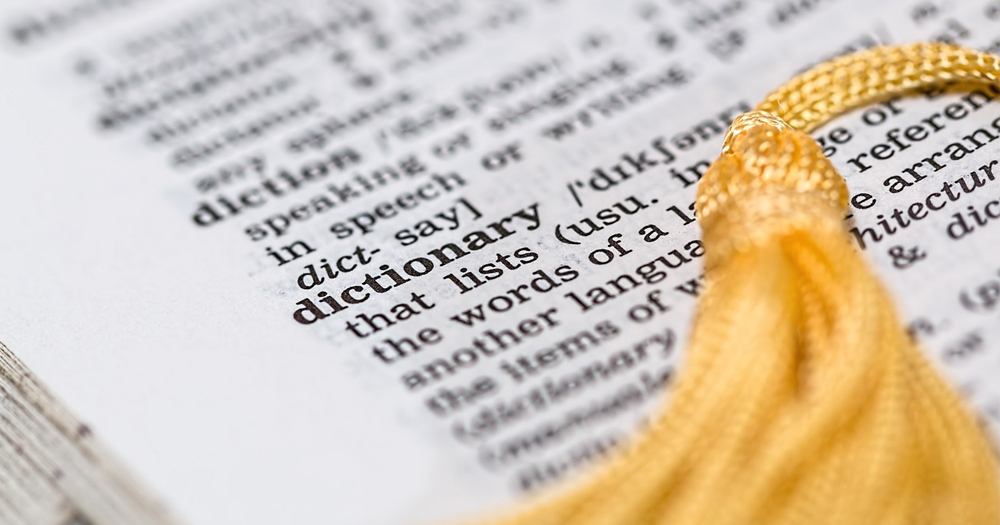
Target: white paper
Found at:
177, 343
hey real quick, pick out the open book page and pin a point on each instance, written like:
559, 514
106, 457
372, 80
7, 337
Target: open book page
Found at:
403, 262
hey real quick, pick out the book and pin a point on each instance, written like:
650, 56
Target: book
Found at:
416, 262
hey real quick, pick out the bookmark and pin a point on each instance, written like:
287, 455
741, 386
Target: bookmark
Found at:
802, 400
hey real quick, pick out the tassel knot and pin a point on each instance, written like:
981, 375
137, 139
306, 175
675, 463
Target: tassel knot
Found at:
770, 180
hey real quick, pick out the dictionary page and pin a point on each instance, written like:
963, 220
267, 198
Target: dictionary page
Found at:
376, 262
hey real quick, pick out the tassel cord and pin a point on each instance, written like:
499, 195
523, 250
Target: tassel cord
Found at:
858, 79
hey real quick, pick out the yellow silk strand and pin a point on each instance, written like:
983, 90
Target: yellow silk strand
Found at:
801, 400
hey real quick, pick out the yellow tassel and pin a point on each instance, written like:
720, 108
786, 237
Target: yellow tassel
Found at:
801, 400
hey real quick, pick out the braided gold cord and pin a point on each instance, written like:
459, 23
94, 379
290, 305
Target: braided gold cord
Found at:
851, 81
802, 401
